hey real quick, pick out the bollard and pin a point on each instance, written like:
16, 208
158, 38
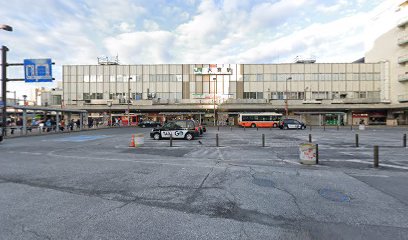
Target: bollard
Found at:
263, 140
317, 153
356, 139
216, 140
171, 140
404, 140
310, 137
376, 160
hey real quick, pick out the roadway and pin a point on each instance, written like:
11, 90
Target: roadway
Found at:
90, 185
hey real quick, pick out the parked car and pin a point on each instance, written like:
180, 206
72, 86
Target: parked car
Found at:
291, 124
149, 124
178, 129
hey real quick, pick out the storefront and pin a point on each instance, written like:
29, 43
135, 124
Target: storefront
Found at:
370, 118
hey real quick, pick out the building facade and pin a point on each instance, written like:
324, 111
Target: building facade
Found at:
310, 88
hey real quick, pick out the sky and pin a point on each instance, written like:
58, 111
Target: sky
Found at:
189, 31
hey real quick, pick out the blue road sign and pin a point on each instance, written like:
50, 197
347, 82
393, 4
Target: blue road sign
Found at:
38, 70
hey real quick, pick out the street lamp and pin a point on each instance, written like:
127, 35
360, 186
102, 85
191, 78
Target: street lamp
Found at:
4, 50
286, 97
215, 80
128, 100
6, 27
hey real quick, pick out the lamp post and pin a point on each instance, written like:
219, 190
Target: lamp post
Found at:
128, 100
286, 97
215, 80
4, 50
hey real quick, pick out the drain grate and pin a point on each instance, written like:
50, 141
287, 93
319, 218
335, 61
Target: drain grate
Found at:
333, 195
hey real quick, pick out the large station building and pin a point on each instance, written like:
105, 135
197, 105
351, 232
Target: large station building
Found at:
374, 89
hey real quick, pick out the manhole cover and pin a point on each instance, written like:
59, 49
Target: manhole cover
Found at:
333, 195
263, 182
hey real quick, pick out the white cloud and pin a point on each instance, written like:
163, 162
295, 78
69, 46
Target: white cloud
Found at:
340, 5
141, 47
150, 25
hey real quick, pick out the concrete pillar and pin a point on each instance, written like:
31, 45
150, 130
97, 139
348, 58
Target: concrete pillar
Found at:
25, 121
81, 121
57, 121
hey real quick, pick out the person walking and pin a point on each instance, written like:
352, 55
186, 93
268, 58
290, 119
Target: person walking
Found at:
62, 125
78, 124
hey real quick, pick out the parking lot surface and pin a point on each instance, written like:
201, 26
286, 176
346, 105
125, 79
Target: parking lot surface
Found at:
91, 185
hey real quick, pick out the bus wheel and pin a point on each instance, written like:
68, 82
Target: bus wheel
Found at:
275, 125
253, 125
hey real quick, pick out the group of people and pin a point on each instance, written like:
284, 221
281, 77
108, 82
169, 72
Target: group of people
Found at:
70, 125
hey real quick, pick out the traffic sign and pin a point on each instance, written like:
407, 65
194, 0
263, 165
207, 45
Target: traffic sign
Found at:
38, 70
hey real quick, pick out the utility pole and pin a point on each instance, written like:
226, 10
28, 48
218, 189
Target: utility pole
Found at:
128, 100
286, 98
4, 50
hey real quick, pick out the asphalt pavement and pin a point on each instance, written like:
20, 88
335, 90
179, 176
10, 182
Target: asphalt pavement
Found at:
91, 185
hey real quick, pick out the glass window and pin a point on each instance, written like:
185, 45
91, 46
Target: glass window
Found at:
119, 78
86, 78
246, 78
259, 77
93, 78
112, 79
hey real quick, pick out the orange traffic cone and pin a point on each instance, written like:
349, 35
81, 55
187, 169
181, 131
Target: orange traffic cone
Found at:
132, 142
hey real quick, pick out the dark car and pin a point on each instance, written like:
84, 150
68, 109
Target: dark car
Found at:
178, 129
291, 124
149, 124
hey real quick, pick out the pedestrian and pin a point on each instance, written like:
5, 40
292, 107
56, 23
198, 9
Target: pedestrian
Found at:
71, 125
227, 122
62, 125
12, 126
48, 125
78, 124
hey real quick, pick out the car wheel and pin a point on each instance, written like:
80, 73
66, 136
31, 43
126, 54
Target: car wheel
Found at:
189, 136
285, 127
157, 125
156, 136
253, 125
143, 126
275, 125
303, 127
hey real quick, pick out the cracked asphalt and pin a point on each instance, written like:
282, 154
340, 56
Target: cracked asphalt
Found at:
90, 185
